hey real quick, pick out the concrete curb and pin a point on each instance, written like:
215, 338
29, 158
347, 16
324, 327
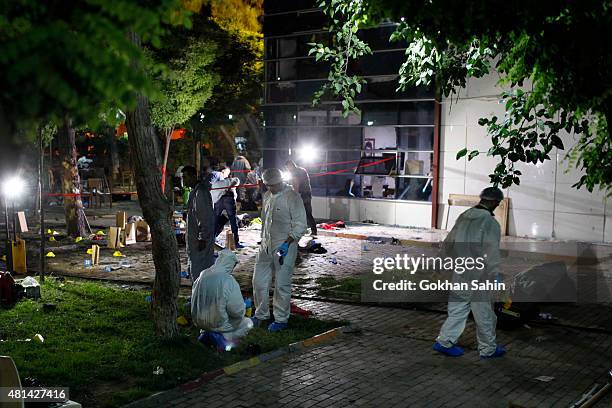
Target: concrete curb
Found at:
262, 358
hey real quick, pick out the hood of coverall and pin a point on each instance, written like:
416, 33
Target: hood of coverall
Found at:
211, 293
226, 261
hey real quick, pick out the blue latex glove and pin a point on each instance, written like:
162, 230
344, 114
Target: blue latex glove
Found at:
283, 249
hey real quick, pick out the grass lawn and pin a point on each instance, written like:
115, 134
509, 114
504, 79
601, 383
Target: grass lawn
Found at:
345, 288
100, 343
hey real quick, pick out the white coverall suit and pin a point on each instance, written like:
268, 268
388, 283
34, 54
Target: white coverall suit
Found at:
475, 234
216, 301
283, 216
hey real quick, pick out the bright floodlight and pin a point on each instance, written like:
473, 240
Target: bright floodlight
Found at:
308, 153
13, 187
286, 176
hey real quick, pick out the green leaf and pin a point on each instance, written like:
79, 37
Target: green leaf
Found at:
473, 154
461, 153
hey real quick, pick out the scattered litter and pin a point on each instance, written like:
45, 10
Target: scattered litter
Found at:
49, 307
117, 254
125, 264
182, 320
544, 378
31, 287
333, 260
87, 263
148, 298
49, 231
256, 221
55, 232
101, 233
395, 241
184, 274
365, 248
39, 338
248, 306
52, 239
546, 316
299, 311
134, 218
158, 371
50, 255
78, 239
315, 247
108, 268
89, 251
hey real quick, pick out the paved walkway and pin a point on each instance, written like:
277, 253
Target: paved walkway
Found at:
391, 364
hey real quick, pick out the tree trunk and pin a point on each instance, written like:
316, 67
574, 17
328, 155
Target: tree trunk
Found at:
111, 141
157, 212
197, 151
71, 181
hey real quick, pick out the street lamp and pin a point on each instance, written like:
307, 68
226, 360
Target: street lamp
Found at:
12, 188
308, 153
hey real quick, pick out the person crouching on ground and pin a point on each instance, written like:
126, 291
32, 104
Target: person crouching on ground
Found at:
283, 224
475, 234
217, 306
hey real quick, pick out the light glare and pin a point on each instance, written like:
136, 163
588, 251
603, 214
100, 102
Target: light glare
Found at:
13, 187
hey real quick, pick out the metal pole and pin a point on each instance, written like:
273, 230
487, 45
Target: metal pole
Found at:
42, 207
9, 249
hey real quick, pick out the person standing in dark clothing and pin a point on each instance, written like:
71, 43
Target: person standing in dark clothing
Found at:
224, 199
301, 185
200, 223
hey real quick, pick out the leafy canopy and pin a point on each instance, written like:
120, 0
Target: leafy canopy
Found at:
62, 58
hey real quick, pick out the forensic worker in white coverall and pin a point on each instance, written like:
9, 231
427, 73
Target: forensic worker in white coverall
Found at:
217, 305
475, 234
283, 224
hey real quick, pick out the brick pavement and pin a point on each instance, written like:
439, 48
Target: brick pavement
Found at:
391, 364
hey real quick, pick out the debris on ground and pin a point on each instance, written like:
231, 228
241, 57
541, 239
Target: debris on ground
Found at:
31, 287
50, 255
332, 226
182, 320
158, 371
39, 338
544, 378
295, 309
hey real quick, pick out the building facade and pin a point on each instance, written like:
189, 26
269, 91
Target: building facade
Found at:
395, 162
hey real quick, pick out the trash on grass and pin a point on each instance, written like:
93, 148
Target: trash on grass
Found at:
87, 263
182, 320
50, 255
117, 254
78, 239
158, 371
101, 233
52, 239
39, 338
49, 307
184, 274
89, 251
148, 298
125, 264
